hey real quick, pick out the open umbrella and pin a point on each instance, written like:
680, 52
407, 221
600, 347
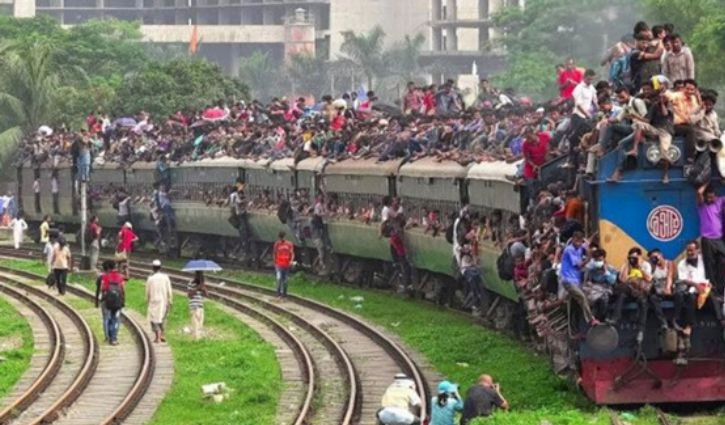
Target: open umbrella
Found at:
201, 266
125, 122
214, 114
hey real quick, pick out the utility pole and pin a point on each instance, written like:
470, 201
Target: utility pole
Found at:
85, 259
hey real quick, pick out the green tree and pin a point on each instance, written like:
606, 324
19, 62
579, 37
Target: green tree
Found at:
402, 60
309, 74
163, 88
28, 83
365, 51
262, 75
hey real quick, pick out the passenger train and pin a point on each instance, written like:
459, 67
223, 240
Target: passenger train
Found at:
639, 211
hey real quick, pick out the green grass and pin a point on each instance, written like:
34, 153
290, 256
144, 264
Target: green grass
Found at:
231, 353
16, 346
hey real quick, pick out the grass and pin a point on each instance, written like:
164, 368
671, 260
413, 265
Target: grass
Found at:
231, 353
16, 346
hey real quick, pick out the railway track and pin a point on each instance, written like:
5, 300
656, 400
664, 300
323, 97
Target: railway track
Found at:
351, 362
662, 418
72, 396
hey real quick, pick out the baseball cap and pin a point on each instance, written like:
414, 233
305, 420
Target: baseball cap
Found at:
447, 387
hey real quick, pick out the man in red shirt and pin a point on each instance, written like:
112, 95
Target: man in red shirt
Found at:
126, 238
569, 78
535, 149
110, 291
397, 249
284, 255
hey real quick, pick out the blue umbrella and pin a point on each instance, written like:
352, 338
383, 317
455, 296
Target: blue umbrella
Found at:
125, 122
201, 266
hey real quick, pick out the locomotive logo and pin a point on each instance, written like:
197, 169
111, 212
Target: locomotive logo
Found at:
664, 223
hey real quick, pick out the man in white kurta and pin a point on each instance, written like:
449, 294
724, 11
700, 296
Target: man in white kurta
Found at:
158, 298
19, 227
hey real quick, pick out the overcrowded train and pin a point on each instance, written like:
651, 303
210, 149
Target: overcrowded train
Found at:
639, 211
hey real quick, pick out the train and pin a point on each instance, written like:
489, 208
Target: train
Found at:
636, 212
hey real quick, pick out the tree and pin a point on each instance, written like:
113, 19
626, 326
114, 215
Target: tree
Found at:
309, 74
366, 52
28, 83
163, 88
403, 59
261, 74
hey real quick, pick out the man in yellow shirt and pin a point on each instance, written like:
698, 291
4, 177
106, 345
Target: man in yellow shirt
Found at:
45, 240
686, 105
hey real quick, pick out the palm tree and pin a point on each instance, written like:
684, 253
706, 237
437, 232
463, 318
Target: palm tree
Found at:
308, 73
28, 85
261, 74
366, 52
403, 58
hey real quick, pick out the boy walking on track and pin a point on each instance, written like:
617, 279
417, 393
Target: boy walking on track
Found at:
284, 255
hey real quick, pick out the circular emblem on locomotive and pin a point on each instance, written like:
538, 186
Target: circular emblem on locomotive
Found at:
664, 223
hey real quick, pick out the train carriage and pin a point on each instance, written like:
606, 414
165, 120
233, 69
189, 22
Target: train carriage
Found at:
426, 185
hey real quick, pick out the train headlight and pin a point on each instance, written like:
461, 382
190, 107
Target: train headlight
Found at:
674, 153
654, 155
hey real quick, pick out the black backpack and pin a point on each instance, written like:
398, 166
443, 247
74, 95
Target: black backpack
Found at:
113, 298
505, 265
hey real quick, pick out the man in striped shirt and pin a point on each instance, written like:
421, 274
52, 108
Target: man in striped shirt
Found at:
196, 291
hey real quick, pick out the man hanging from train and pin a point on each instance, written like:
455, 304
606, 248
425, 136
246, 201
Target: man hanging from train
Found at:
690, 274
710, 212
238, 218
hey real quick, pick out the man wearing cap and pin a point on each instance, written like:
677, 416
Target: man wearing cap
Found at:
126, 238
400, 403
159, 299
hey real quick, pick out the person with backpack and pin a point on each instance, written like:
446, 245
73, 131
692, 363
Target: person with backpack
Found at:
61, 262
159, 298
284, 255
111, 288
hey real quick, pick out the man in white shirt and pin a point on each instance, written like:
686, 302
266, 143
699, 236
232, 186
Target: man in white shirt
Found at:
400, 403
585, 105
690, 273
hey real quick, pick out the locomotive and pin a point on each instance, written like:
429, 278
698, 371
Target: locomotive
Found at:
639, 211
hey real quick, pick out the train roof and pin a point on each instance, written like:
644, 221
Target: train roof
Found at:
497, 170
284, 164
430, 167
364, 167
316, 164
224, 161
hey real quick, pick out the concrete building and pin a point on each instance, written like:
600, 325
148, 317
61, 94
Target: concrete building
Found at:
457, 32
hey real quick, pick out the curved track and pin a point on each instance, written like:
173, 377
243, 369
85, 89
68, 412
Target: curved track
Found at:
346, 363
25, 394
78, 401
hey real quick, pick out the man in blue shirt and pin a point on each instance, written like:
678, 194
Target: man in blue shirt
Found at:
573, 260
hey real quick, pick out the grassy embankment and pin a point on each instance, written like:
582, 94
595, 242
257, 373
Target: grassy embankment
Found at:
16, 346
231, 353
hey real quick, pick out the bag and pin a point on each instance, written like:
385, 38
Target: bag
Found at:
620, 72
113, 298
120, 256
283, 211
505, 265
700, 172
234, 221
669, 341
50, 280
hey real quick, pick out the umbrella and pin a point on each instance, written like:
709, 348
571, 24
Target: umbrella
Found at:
215, 114
125, 122
201, 266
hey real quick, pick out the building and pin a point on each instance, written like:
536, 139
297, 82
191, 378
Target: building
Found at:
457, 32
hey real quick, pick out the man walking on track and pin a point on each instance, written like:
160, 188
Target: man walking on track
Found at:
113, 297
284, 255
159, 299
126, 238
